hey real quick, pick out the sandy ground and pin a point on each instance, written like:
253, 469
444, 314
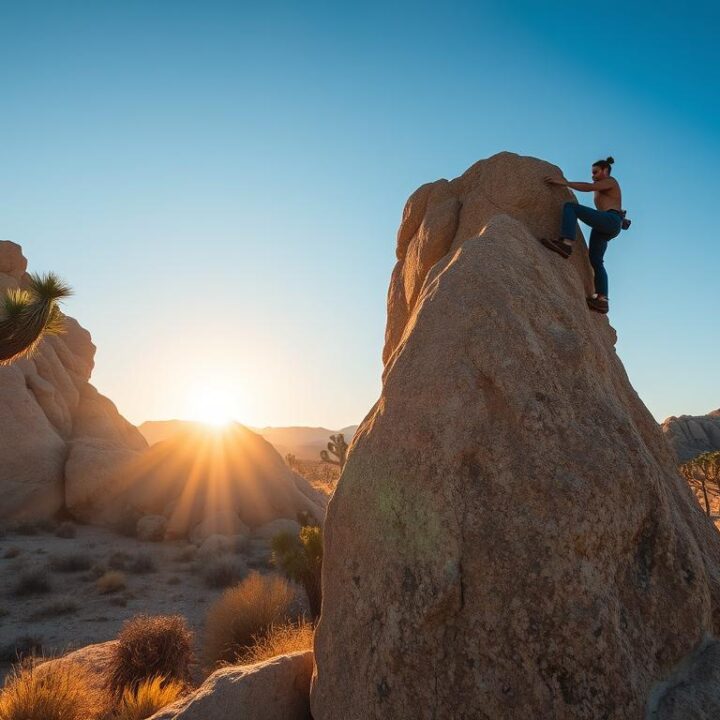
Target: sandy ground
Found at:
74, 612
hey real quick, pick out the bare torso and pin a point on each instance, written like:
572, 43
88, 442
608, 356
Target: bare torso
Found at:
610, 199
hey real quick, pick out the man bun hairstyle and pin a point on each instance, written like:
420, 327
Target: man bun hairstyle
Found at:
605, 164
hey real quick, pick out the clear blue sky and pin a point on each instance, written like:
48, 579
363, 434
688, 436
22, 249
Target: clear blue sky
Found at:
222, 185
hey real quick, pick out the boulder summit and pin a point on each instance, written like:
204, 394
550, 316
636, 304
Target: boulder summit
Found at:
510, 537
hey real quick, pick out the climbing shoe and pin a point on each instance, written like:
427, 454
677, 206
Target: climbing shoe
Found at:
557, 246
599, 305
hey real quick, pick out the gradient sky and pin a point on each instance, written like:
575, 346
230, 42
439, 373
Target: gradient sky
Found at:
222, 184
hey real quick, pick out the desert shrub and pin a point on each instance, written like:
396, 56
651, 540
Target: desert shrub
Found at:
75, 562
300, 558
119, 560
60, 606
22, 647
147, 698
33, 582
60, 693
112, 581
243, 613
151, 646
141, 563
173, 580
222, 572
26, 528
11, 552
96, 572
66, 530
187, 554
127, 524
278, 640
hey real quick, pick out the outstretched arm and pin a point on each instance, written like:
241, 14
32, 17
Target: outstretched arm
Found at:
600, 185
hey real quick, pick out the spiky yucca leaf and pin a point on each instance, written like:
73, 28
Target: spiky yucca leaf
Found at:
29, 315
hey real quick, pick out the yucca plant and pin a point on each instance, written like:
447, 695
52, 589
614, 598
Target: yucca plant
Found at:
338, 447
27, 315
300, 558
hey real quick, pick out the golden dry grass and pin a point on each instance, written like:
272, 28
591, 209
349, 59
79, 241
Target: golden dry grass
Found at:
242, 614
150, 696
321, 475
112, 581
279, 640
62, 693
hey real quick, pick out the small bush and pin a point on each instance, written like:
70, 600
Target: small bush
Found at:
278, 640
61, 606
150, 696
76, 562
244, 613
11, 552
127, 524
59, 693
119, 560
142, 563
173, 580
148, 647
22, 647
66, 530
112, 581
33, 582
222, 572
96, 572
187, 554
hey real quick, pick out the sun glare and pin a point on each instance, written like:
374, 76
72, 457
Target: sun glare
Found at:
209, 405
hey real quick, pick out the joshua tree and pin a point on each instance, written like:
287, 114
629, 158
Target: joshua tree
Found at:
26, 316
291, 460
300, 558
702, 470
338, 447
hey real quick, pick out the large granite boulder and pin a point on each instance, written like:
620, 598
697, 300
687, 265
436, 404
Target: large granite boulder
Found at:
277, 689
510, 537
48, 409
693, 435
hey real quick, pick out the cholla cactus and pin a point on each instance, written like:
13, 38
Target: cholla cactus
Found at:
338, 447
26, 316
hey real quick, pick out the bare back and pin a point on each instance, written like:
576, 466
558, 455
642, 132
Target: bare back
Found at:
610, 199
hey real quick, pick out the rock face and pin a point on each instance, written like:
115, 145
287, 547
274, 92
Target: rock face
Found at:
274, 690
691, 436
51, 416
510, 537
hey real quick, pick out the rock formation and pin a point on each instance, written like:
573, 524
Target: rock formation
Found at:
277, 689
510, 537
64, 445
50, 416
691, 436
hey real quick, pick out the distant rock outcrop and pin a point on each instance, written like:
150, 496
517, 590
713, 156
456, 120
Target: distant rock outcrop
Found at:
692, 435
50, 416
510, 537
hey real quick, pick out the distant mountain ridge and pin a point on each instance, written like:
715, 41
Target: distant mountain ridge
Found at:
303, 442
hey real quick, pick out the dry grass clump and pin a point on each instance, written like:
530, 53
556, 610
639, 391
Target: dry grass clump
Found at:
11, 552
119, 560
75, 562
62, 693
66, 530
147, 698
142, 563
148, 647
187, 554
33, 582
243, 613
112, 581
222, 572
60, 606
22, 647
278, 640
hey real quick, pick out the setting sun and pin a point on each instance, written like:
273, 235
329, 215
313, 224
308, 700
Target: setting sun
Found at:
210, 405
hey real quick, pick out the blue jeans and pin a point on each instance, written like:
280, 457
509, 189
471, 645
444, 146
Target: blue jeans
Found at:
605, 226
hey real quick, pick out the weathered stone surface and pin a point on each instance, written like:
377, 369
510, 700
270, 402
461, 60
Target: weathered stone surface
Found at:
691, 435
510, 537
441, 216
277, 689
93, 661
49, 414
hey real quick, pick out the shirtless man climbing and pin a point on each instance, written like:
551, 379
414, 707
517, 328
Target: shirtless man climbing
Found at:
606, 223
